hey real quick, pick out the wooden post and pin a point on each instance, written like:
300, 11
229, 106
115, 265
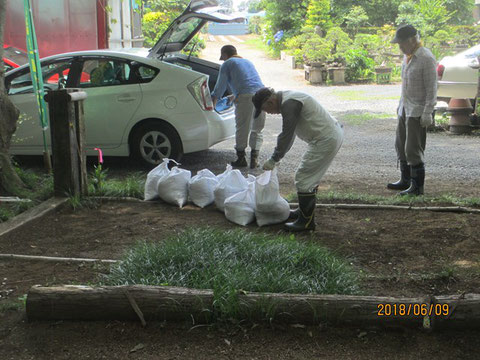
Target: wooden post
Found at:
68, 141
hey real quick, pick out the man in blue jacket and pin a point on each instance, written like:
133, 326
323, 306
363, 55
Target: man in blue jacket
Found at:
241, 77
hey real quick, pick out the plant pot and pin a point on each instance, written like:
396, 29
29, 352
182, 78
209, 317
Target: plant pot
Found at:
337, 75
315, 74
383, 74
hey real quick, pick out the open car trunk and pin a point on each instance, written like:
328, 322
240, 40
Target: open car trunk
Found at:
182, 30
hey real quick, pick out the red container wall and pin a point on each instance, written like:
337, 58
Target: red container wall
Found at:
60, 25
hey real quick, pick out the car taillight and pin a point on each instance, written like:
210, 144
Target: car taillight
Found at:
201, 93
440, 70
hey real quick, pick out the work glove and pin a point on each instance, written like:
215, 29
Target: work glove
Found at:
426, 120
230, 99
269, 164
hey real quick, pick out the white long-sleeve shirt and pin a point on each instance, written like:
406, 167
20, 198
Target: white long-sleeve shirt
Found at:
419, 84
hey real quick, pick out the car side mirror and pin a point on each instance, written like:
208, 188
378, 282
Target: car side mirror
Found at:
474, 64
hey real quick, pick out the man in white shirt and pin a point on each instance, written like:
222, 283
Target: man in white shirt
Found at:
305, 117
415, 111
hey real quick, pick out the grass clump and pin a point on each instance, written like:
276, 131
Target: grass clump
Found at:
131, 186
38, 188
229, 262
360, 95
360, 119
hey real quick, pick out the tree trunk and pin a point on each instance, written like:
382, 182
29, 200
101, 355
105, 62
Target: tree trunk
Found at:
174, 303
9, 180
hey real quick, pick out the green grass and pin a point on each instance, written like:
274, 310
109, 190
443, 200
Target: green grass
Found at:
39, 187
13, 305
360, 119
360, 95
257, 42
132, 186
229, 262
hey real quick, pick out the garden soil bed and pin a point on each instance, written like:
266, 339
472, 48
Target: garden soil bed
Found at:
400, 253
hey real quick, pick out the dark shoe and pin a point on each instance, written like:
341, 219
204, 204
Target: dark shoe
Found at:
417, 182
404, 182
306, 213
241, 160
254, 159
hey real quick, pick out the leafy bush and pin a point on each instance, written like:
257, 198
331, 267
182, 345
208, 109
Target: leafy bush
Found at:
359, 65
317, 49
154, 24
255, 25
340, 41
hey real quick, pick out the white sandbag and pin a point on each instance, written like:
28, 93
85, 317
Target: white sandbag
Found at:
240, 208
228, 169
270, 207
230, 183
201, 186
173, 187
153, 176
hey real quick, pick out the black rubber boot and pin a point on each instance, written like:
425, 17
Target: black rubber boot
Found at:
254, 159
241, 160
417, 181
404, 182
294, 214
306, 216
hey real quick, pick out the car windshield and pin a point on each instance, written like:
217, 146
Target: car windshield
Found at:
17, 56
472, 52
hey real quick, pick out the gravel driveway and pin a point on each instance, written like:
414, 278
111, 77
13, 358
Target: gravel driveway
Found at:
367, 160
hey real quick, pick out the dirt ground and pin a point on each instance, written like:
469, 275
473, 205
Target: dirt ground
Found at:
420, 253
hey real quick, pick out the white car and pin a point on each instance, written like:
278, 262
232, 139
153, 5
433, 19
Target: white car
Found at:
458, 75
146, 105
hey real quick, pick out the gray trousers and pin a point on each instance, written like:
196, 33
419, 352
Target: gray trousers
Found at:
248, 130
316, 161
410, 140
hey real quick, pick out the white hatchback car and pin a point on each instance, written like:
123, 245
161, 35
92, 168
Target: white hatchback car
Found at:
146, 105
458, 75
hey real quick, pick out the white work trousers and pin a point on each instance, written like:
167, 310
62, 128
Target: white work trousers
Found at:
316, 160
246, 126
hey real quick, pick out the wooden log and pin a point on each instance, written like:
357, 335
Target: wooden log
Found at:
455, 209
173, 303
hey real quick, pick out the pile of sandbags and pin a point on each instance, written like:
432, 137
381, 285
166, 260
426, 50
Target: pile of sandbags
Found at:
169, 185
241, 199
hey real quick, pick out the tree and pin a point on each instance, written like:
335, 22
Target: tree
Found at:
286, 15
356, 18
381, 12
227, 4
463, 11
428, 16
9, 180
318, 14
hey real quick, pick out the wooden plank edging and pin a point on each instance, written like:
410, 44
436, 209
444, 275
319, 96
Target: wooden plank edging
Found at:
32, 214
175, 303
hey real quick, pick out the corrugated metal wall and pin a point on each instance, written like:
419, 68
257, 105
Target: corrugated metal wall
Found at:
61, 25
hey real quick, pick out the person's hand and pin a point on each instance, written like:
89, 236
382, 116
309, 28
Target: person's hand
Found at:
426, 120
269, 164
230, 99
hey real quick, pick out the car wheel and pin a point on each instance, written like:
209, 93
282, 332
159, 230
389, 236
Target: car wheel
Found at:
152, 143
